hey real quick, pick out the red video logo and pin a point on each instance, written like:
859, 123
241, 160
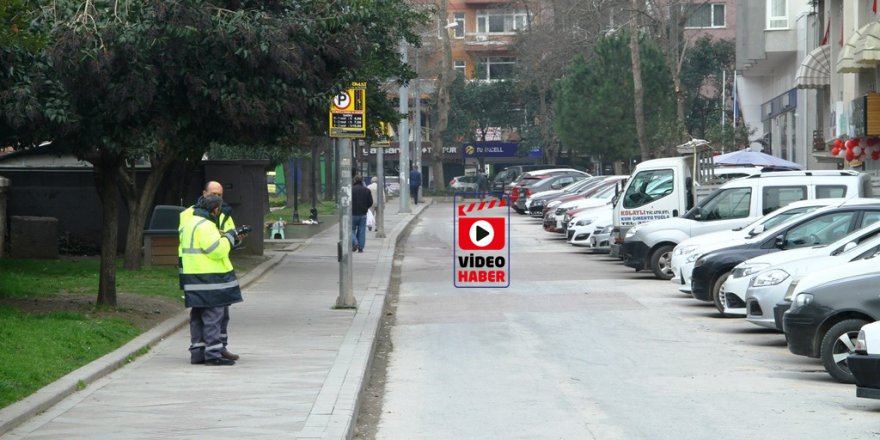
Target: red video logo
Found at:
481, 234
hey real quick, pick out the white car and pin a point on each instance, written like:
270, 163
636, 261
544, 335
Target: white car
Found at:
769, 287
583, 226
771, 274
600, 241
601, 200
687, 252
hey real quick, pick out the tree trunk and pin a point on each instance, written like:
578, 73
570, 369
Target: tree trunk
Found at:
106, 167
444, 82
547, 138
638, 89
288, 184
329, 194
140, 203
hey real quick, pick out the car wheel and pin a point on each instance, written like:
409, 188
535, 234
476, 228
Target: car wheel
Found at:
716, 292
839, 341
661, 261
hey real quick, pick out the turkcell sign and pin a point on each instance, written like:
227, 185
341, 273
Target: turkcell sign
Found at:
481, 233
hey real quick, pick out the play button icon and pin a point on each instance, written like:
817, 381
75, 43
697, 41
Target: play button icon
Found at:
481, 233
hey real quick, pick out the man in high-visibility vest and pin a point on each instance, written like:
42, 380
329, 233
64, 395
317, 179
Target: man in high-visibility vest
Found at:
224, 224
209, 281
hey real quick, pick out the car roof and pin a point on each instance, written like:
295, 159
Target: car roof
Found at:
861, 201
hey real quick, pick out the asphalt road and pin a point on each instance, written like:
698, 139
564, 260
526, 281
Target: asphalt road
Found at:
580, 347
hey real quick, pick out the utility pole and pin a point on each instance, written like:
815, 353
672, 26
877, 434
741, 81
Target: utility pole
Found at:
346, 298
380, 192
403, 136
417, 149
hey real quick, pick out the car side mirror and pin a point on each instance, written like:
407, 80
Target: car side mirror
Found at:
756, 230
849, 246
779, 242
698, 213
555, 185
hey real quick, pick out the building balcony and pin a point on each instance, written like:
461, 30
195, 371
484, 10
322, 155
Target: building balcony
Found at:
486, 42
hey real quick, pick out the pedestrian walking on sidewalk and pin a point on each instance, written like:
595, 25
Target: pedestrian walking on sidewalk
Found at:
415, 182
225, 223
209, 281
361, 201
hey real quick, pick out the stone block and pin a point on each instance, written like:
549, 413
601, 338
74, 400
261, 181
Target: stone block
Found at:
33, 237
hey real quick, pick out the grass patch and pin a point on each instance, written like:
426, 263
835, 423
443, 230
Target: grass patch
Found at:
38, 349
34, 278
324, 209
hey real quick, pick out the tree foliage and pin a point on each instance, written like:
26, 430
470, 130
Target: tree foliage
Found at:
592, 114
122, 80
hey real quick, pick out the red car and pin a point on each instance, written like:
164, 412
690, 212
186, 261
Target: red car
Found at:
525, 179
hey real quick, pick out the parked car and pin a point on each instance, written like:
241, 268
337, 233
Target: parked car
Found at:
599, 199
464, 183
757, 284
509, 174
536, 202
686, 253
766, 302
829, 309
582, 227
864, 361
528, 178
600, 241
587, 193
822, 226
546, 184
736, 203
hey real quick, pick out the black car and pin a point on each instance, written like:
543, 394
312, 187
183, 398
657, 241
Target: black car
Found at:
824, 321
820, 227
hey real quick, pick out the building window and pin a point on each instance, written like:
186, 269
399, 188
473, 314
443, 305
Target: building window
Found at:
777, 14
495, 68
499, 21
711, 15
459, 22
460, 67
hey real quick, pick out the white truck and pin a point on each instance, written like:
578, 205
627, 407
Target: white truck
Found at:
675, 206
665, 188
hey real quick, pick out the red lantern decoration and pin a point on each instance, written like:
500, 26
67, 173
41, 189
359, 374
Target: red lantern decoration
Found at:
838, 144
850, 143
875, 155
872, 141
849, 155
835, 151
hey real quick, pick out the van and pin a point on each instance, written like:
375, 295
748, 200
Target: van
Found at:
649, 241
509, 174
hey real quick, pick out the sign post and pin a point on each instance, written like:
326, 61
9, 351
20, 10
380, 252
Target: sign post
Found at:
348, 119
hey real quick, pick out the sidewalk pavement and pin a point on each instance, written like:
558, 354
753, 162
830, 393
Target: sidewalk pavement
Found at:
303, 364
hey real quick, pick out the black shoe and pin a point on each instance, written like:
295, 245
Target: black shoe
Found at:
361, 250
197, 361
229, 355
220, 361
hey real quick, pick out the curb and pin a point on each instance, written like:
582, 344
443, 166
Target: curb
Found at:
19, 412
334, 413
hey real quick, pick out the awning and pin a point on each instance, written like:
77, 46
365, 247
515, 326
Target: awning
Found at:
846, 62
867, 50
815, 71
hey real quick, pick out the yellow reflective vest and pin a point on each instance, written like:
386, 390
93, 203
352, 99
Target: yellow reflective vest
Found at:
206, 273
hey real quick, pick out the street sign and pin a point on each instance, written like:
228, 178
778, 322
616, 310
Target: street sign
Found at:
348, 112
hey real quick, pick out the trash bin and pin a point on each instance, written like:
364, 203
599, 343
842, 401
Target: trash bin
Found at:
161, 238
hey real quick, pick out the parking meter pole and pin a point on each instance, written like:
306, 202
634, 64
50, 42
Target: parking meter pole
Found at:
380, 192
346, 298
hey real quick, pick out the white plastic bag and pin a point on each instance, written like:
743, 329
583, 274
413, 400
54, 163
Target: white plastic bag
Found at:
371, 219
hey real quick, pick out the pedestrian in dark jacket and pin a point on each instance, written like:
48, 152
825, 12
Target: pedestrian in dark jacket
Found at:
361, 201
415, 182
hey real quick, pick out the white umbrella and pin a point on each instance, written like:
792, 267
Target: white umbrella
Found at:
755, 158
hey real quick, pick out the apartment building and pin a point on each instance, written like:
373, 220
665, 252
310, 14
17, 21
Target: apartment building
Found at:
808, 73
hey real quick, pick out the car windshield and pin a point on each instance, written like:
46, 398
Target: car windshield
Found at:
648, 186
